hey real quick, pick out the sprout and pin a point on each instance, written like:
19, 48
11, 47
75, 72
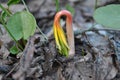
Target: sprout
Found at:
67, 49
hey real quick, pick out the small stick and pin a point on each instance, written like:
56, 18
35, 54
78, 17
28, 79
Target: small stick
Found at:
25, 59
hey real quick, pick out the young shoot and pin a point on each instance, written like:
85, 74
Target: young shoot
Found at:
65, 47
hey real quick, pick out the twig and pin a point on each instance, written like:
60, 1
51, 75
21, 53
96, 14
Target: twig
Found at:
25, 59
11, 70
42, 4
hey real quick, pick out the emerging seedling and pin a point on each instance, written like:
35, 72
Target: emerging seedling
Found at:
67, 49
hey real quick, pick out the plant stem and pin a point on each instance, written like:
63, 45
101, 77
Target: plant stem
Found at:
42, 33
96, 2
25, 5
57, 5
5, 10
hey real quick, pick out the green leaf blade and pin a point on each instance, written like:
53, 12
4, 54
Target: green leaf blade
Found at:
108, 16
70, 8
14, 50
29, 24
13, 25
21, 25
57, 5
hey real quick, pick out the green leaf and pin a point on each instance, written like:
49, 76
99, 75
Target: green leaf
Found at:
21, 25
57, 5
70, 8
14, 50
64, 49
108, 16
10, 2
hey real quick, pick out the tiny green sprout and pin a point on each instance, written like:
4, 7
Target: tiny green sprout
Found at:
66, 49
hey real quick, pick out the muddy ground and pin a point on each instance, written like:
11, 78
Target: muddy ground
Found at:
97, 50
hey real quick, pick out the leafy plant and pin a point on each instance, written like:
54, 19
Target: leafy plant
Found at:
108, 16
20, 25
